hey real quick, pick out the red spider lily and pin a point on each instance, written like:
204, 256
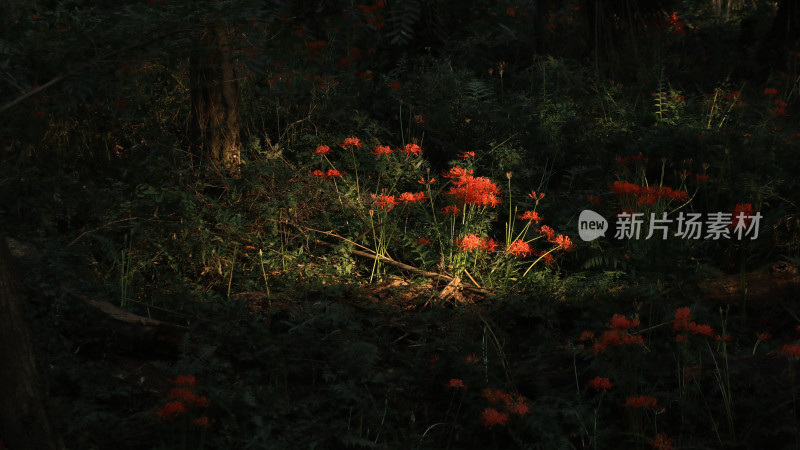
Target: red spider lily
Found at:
642, 401
385, 202
395, 85
468, 155
423, 241
531, 216
586, 336
469, 242
593, 199
457, 173
600, 384
491, 417
770, 91
351, 142
662, 442
412, 149
318, 173
321, 150
764, 337
474, 190
418, 119
547, 231
451, 210
564, 241
519, 248
746, 210
536, 196
382, 150
456, 383
410, 197
791, 351
333, 173
489, 245
171, 411
430, 181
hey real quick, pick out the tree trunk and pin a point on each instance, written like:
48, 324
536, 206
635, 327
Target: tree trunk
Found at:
216, 99
23, 420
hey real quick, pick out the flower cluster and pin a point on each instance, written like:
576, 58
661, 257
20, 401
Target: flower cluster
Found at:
508, 403
471, 190
617, 335
472, 242
683, 322
181, 400
642, 401
647, 195
600, 384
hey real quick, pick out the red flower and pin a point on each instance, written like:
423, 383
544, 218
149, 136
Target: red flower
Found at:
547, 231
600, 384
531, 215
351, 142
395, 85
470, 242
701, 178
468, 155
662, 442
519, 248
791, 351
333, 173
385, 202
423, 241
564, 241
318, 173
451, 210
642, 401
489, 245
746, 210
593, 199
321, 150
418, 119
473, 190
412, 149
382, 150
536, 196
171, 411
456, 383
771, 92
620, 322
764, 337
491, 417
586, 336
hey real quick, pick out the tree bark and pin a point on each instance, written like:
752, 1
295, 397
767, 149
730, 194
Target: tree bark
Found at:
216, 99
24, 423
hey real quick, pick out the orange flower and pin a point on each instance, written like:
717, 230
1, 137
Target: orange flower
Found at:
489, 245
382, 150
351, 142
536, 196
491, 417
600, 384
473, 190
318, 173
385, 202
469, 242
321, 150
519, 248
451, 210
547, 231
456, 383
564, 242
531, 215
468, 155
412, 149
422, 181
